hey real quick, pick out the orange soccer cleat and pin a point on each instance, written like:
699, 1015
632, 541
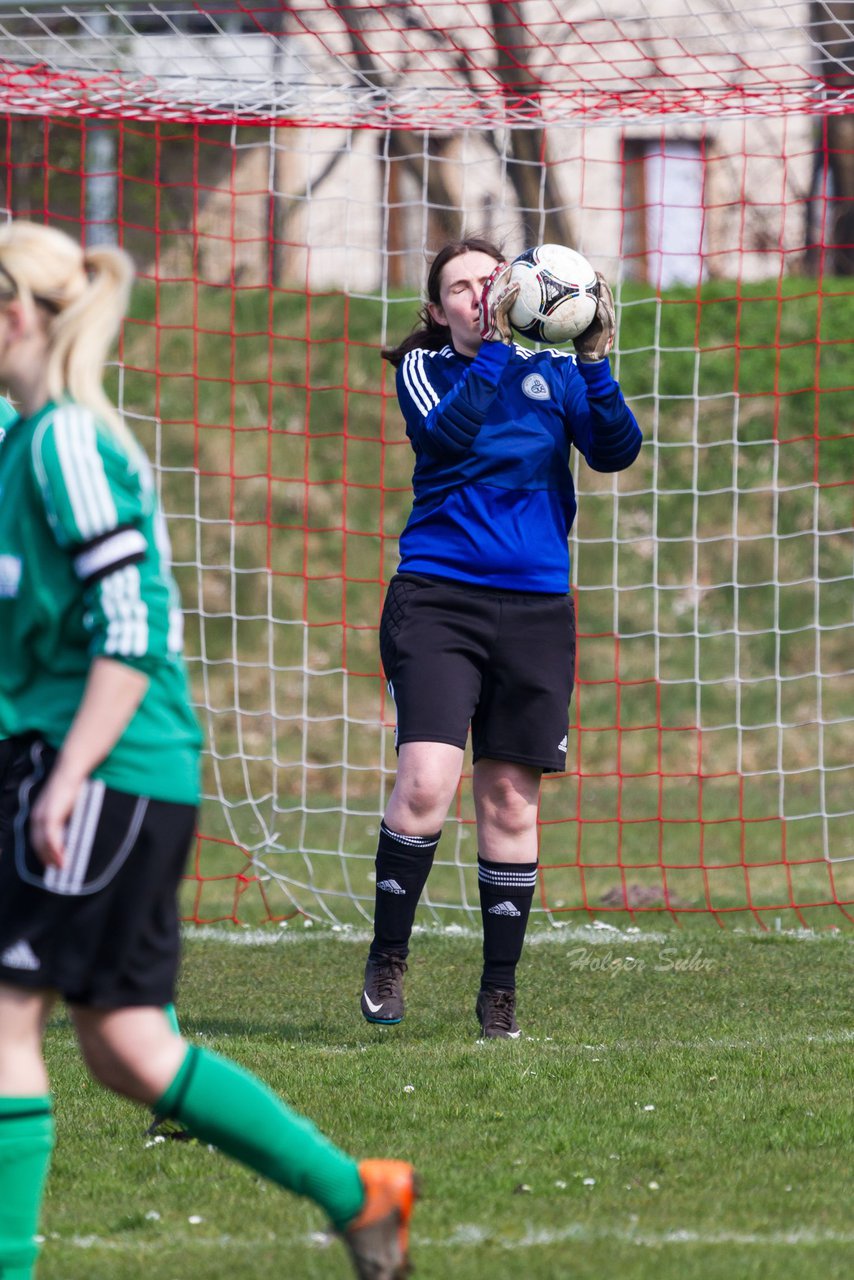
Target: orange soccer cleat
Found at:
378, 1238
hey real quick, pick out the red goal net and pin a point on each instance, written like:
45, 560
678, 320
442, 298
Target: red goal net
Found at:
281, 174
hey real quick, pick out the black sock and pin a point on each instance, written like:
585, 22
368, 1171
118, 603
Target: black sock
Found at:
403, 865
506, 893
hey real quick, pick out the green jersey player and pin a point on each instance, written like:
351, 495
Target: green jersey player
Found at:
79, 513
33, 681
95, 705
8, 414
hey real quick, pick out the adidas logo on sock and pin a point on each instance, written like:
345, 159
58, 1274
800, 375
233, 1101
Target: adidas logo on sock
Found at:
504, 909
390, 886
20, 956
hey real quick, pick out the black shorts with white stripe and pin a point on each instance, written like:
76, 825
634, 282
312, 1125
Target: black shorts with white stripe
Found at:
102, 930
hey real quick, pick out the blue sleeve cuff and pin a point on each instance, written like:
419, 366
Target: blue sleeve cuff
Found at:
597, 375
492, 359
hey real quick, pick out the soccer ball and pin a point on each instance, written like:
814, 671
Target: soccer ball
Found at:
558, 293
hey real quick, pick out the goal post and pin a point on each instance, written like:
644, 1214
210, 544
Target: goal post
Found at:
280, 175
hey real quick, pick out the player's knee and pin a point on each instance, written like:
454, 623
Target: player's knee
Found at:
513, 822
422, 806
425, 801
121, 1068
507, 808
105, 1062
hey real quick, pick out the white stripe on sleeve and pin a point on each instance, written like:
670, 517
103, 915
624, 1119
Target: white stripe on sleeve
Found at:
417, 384
83, 473
126, 613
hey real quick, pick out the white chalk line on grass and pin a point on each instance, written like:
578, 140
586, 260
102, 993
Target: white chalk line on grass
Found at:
596, 934
472, 1236
548, 1044
239, 936
845, 1036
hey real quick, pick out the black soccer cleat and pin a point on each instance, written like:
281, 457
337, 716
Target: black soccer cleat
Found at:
171, 1130
382, 996
496, 1013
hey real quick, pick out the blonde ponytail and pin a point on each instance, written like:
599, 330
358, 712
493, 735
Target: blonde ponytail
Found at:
86, 294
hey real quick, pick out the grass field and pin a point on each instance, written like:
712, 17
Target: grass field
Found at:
680, 1108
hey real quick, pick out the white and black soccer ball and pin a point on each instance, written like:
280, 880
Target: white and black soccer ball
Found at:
558, 293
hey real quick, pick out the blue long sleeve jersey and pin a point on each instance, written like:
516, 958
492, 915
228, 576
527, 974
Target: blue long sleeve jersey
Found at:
494, 498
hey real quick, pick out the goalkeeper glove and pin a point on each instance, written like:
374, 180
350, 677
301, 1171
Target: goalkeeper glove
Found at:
495, 302
598, 338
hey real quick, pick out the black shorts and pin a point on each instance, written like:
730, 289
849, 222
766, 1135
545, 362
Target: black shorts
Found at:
102, 931
501, 661
13, 765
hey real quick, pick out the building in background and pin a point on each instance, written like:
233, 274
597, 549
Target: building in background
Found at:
664, 156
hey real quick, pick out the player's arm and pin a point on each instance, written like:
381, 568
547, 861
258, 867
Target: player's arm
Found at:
101, 513
446, 423
95, 507
600, 423
112, 694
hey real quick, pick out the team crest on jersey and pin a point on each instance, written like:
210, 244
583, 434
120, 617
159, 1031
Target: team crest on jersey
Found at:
535, 387
10, 577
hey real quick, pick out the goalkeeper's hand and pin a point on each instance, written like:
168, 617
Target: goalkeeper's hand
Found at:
598, 338
495, 302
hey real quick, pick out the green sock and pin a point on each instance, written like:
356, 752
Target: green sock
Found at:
172, 1018
222, 1104
26, 1142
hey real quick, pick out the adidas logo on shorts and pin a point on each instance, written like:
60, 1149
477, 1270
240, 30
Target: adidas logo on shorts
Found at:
504, 909
20, 956
390, 886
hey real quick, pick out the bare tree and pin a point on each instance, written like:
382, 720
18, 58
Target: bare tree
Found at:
525, 153
528, 166
832, 26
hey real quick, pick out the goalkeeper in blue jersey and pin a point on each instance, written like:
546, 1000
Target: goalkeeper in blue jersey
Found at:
104, 746
478, 628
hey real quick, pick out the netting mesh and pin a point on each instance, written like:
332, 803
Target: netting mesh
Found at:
426, 65
280, 175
